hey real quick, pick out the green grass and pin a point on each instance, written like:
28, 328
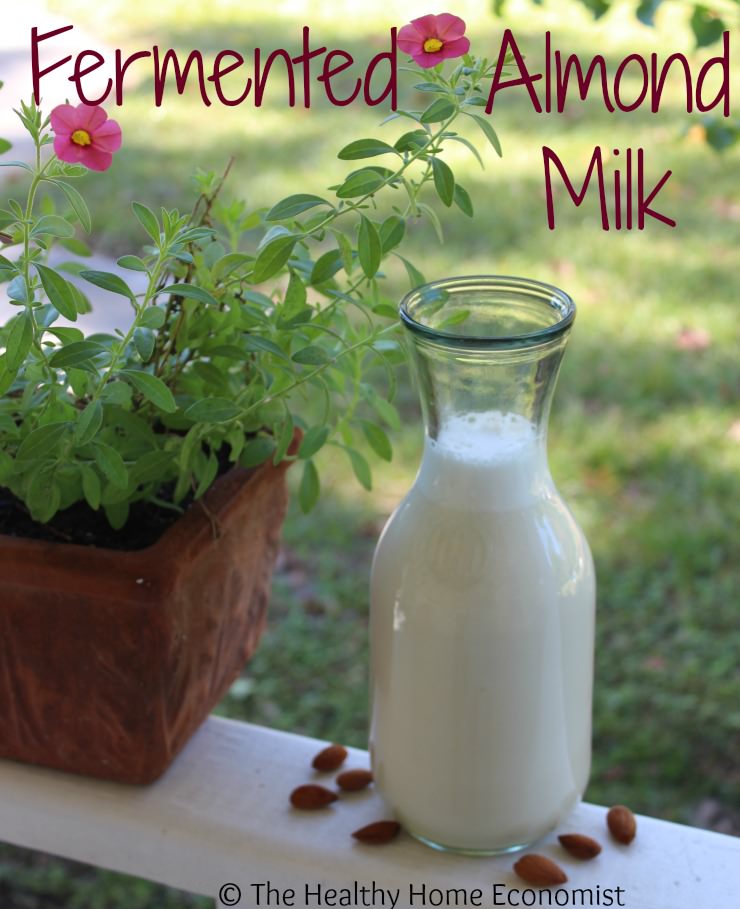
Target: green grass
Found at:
640, 433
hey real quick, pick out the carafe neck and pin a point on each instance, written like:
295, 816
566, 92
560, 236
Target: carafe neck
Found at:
486, 354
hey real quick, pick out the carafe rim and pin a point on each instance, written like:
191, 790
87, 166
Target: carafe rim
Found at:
556, 304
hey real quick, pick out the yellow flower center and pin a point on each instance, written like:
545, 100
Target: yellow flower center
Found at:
81, 137
432, 45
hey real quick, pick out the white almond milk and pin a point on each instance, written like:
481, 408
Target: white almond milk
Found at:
482, 643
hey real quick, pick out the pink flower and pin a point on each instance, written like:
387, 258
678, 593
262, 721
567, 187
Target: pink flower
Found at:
85, 135
431, 39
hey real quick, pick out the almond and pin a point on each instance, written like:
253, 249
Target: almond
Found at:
580, 846
354, 780
622, 824
331, 758
536, 869
377, 833
310, 797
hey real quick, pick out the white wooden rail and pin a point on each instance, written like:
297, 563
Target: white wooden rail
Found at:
221, 816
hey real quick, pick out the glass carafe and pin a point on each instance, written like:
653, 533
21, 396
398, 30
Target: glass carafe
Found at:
482, 589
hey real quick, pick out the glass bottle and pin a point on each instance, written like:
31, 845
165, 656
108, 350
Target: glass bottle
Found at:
482, 588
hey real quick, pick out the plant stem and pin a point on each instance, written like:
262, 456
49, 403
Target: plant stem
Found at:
365, 342
150, 293
37, 178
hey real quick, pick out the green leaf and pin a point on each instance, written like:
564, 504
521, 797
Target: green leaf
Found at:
8, 425
489, 132
7, 467
213, 410
20, 340
384, 409
309, 487
475, 101
132, 263
365, 148
7, 376
206, 475
294, 205
360, 468
646, 11
457, 318
416, 278
277, 230
191, 292
117, 393
295, 296
41, 442
463, 200
272, 257
434, 218
392, 231
18, 290
706, 26
76, 246
152, 317
257, 342
52, 225
5, 146
597, 7
90, 486
78, 204
66, 335
117, 514
75, 354
229, 263
369, 247
721, 134
21, 164
257, 451
361, 183
284, 439
314, 439
44, 496
444, 181
428, 87
413, 140
148, 220
111, 463
378, 440
144, 343
345, 248
109, 281
82, 303
326, 266
312, 355
58, 290
386, 310
438, 110
212, 253
152, 388
89, 422
152, 466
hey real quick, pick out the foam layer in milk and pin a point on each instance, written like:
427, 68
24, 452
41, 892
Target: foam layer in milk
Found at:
487, 460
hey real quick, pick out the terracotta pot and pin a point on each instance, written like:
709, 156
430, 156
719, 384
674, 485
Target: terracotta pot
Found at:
109, 661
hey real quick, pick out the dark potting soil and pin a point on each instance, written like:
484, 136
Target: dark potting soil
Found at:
81, 525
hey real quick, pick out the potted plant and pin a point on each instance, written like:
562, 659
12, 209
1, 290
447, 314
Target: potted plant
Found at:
142, 472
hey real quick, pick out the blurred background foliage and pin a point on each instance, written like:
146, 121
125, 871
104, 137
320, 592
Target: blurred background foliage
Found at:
645, 430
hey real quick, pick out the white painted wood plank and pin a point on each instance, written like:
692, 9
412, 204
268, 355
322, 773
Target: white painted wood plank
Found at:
221, 815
